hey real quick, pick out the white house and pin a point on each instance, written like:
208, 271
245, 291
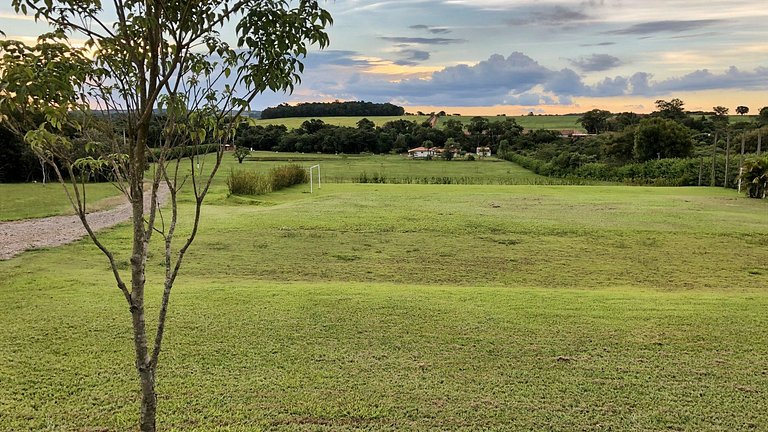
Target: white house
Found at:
421, 153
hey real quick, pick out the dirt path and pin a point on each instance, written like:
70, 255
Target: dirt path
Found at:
18, 236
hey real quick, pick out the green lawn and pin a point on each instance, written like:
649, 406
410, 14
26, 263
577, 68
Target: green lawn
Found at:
394, 168
34, 200
413, 307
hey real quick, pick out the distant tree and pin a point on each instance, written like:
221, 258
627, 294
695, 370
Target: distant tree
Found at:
241, 152
477, 128
741, 110
365, 124
671, 110
755, 175
503, 149
595, 121
763, 115
720, 119
661, 138
623, 120
313, 125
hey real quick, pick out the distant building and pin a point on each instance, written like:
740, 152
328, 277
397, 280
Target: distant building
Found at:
421, 153
483, 151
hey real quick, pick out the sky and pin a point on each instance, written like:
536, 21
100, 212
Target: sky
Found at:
547, 56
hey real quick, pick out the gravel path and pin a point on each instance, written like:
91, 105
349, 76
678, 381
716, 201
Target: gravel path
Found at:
18, 236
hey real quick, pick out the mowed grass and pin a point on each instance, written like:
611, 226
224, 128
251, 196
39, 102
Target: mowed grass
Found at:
413, 307
34, 200
393, 168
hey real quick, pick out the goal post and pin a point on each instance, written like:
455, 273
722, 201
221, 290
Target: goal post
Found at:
312, 178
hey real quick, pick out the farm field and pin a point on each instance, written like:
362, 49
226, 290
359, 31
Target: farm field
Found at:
414, 307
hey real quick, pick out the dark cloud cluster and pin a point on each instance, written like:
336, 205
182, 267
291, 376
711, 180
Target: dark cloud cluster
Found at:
410, 57
556, 16
433, 30
422, 41
596, 62
653, 27
520, 80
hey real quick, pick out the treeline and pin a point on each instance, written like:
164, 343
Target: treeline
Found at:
667, 147
397, 136
333, 109
19, 164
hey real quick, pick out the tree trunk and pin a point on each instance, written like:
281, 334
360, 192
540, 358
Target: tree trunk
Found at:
714, 160
727, 159
144, 364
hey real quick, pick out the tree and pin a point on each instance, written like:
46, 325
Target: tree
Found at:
595, 121
161, 55
755, 174
741, 110
661, 138
720, 119
763, 115
366, 124
671, 110
241, 152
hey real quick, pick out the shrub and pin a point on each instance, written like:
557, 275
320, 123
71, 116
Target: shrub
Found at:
248, 183
287, 175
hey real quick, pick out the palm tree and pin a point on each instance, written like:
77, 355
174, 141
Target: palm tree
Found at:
755, 174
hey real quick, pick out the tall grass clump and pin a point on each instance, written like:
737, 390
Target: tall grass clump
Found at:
287, 175
248, 183
251, 183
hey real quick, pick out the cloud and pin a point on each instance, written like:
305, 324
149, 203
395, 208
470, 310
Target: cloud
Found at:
412, 57
423, 41
703, 79
556, 16
596, 62
653, 27
433, 30
599, 44
336, 58
516, 79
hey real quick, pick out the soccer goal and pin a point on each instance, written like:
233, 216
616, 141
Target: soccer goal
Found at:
312, 178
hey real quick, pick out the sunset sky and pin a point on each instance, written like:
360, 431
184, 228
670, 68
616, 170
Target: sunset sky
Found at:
495, 56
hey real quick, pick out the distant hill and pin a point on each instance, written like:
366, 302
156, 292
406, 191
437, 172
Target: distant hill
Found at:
332, 109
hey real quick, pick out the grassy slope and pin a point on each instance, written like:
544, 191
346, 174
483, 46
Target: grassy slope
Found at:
395, 307
33, 200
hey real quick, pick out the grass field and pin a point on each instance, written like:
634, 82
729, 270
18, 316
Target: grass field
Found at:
414, 307
396, 168
33, 200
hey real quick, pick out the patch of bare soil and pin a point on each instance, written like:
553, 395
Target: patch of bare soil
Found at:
18, 236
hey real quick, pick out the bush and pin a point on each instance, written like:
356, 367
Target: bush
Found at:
248, 183
287, 175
